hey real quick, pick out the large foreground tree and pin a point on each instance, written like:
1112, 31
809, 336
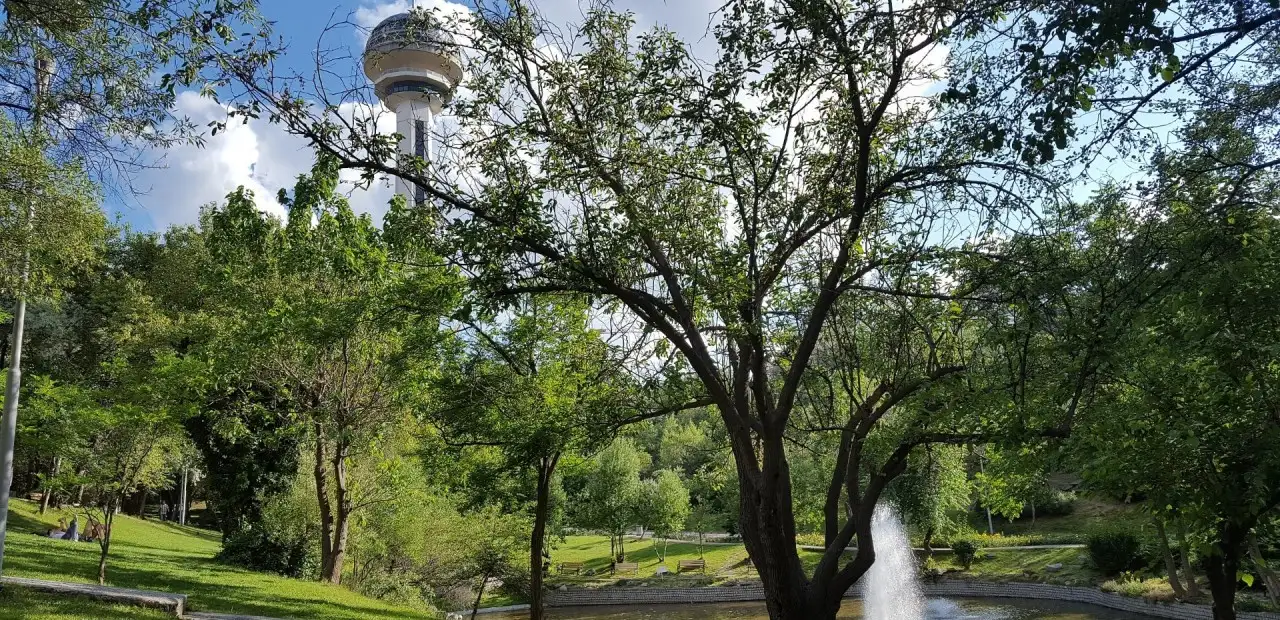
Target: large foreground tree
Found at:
809, 177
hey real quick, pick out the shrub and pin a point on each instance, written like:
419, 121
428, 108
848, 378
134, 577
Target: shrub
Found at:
259, 549
1057, 504
965, 551
1114, 551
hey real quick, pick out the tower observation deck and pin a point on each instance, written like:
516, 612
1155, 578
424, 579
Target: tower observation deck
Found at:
414, 67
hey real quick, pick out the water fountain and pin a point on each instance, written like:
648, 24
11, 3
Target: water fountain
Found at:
891, 588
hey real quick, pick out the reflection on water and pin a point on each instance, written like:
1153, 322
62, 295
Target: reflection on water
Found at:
935, 609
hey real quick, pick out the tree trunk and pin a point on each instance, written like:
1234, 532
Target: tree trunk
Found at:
104, 542
768, 531
537, 542
928, 543
182, 499
326, 509
1269, 579
142, 503
1170, 565
475, 608
1223, 566
44, 497
835, 487
1193, 588
343, 522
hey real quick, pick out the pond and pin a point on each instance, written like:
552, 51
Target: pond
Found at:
935, 609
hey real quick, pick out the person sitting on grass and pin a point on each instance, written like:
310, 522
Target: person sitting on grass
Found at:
73, 533
59, 531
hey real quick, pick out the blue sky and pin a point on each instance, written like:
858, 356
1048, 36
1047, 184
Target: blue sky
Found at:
264, 158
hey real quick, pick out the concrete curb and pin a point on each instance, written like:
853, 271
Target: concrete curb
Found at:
936, 550
164, 601
485, 610
946, 588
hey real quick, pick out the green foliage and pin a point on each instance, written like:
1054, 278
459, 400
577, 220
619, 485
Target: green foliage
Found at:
664, 504
50, 220
935, 492
117, 68
965, 551
612, 498
1114, 551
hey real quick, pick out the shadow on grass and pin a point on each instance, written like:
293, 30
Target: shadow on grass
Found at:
19, 603
19, 522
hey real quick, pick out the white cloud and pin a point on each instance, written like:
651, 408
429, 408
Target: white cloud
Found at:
257, 155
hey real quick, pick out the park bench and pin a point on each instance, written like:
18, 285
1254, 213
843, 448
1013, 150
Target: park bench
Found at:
623, 567
688, 565
571, 567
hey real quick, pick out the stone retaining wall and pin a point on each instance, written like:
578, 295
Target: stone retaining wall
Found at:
953, 588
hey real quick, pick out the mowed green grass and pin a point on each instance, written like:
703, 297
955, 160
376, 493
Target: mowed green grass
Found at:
151, 555
723, 561
727, 562
1026, 565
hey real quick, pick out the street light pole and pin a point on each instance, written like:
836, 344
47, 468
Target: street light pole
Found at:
9, 421
182, 497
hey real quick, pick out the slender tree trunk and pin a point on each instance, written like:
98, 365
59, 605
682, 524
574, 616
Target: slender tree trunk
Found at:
835, 487
1189, 575
182, 499
537, 542
142, 504
343, 521
1170, 565
326, 509
928, 542
44, 497
1269, 578
475, 608
1223, 566
104, 542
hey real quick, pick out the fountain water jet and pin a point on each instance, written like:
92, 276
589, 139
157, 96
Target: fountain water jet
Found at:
891, 588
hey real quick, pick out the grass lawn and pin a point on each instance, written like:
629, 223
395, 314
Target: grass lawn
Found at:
151, 555
1025, 565
1090, 513
727, 562
723, 561
19, 603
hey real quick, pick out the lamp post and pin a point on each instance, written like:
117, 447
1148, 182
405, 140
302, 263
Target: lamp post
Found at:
13, 381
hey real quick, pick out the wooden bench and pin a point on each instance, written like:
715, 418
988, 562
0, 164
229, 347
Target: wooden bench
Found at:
573, 567
688, 565
622, 567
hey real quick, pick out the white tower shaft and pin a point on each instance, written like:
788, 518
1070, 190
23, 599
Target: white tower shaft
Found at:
414, 123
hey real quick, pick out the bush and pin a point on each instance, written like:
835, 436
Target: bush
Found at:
1114, 551
1057, 504
258, 549
965, 551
